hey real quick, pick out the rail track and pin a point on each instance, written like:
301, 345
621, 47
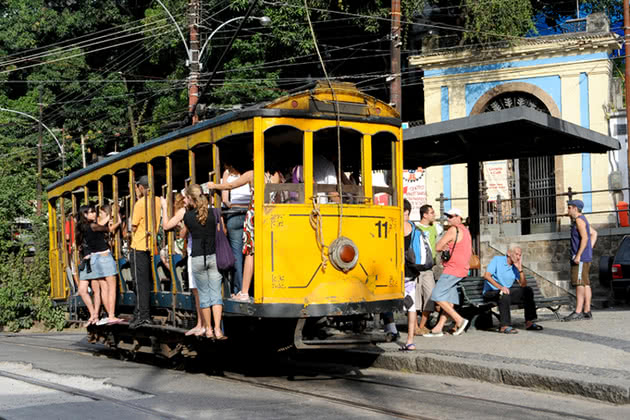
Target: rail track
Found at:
289, 368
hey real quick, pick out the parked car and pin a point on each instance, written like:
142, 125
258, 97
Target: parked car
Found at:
22, 231
614, 272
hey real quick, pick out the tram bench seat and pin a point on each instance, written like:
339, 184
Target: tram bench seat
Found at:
474, 305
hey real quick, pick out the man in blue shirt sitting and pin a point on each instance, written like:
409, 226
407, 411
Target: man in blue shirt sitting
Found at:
500, 276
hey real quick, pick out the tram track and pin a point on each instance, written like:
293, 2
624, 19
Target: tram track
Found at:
321, 370
85, 394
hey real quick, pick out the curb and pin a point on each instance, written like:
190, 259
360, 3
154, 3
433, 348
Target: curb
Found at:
613, 391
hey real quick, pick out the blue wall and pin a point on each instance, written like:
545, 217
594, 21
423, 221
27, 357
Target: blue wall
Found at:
550, 84
446, 169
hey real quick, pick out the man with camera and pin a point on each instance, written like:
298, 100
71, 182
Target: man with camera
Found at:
456, 247
500, 276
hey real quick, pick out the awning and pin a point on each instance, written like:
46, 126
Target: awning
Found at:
509, 134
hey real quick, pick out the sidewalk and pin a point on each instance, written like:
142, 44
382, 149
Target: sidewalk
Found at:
587, 358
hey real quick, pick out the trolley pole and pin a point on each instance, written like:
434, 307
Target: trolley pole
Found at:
194, 12
39, 154
626, 33
396, 42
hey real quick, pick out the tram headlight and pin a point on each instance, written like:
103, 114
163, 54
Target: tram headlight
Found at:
343, 254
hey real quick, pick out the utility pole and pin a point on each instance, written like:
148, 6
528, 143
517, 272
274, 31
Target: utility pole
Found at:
395, 96
626, 33
39, 154
194, 16
132, 122
83, 149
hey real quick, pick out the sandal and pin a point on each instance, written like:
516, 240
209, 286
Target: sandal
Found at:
509, 330
192, 331
409, 347
241, 297
534, 327
209, 334
218, 334
200, 332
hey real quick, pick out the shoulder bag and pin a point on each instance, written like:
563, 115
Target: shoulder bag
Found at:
223, 250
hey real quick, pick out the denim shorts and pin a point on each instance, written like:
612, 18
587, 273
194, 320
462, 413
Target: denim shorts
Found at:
446, 289
103, 265
208, 279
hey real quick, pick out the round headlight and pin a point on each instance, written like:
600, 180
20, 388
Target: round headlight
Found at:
343, 254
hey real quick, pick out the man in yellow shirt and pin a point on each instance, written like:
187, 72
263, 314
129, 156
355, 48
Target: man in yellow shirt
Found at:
140, 253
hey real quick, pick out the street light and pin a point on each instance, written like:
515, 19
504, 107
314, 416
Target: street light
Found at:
264, 21
39, 163
194, 53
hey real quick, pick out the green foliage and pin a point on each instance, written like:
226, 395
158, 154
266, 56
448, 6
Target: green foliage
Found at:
492, 20
24, 285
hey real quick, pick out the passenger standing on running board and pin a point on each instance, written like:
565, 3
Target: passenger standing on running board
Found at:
140, 256
583, 238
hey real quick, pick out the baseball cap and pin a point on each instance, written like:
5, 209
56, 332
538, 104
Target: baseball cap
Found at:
454, 211
577, 203
143, 180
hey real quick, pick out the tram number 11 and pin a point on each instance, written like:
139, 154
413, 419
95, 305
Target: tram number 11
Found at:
382, 228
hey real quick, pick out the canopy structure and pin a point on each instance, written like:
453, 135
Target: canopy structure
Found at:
508, 134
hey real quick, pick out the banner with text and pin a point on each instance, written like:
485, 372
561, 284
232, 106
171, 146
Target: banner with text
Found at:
496, 175
415, 190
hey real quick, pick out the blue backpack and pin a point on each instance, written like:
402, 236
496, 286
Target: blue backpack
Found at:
414, 253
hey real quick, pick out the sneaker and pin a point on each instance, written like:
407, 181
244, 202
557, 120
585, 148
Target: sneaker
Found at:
574, 316
137, 323
588, 315
102, 321
422, 331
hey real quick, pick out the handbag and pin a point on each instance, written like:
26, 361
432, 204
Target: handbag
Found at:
223, 250
446, 254
474, 262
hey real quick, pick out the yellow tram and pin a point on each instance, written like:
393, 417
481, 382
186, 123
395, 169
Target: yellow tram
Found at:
293, 278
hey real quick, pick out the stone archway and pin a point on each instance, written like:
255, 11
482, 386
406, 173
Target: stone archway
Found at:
531, 177
535, 95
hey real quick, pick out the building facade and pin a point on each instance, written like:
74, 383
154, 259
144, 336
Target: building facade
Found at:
567, 76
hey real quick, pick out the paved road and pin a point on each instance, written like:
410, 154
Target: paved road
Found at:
62, 376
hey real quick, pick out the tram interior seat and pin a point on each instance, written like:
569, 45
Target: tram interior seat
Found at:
126, 275
164, 276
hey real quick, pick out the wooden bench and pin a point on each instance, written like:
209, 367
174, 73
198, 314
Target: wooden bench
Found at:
471, 297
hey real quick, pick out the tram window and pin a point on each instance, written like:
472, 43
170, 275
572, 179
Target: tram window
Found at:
383, 166
203, 163
325, 166
180, 171
284, 161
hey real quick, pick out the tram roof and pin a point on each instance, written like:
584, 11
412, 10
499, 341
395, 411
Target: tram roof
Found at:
255, 111
508, 134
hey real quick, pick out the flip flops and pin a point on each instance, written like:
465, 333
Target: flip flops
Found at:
408, 347
509, 330
461, 328
534, 327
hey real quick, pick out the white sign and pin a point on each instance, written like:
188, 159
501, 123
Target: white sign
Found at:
496, 175
415, 190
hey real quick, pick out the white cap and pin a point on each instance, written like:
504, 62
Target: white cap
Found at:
454, 211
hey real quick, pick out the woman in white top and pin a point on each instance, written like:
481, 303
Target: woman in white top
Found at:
236, 198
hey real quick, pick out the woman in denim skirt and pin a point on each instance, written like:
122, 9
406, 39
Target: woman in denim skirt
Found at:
101, 263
